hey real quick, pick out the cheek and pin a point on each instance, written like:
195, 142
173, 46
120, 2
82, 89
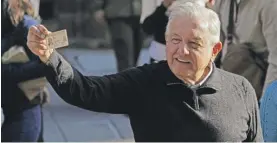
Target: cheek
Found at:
170, 51
202, 59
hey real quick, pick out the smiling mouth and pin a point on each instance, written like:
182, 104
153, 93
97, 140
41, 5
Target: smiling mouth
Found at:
183, 61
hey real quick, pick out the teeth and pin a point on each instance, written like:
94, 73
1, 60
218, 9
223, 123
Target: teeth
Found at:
184, 61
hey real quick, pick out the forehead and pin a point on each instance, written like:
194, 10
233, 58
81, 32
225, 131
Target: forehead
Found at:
185, 26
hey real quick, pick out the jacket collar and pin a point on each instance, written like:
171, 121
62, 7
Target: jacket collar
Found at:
213, 82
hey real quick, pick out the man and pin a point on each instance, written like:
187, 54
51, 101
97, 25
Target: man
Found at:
254, 22
123, 18
185, 98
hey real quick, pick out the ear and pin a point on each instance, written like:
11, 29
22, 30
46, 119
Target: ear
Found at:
210, 3
216, 49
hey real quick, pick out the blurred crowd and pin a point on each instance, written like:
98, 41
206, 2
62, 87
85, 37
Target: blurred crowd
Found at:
248, 32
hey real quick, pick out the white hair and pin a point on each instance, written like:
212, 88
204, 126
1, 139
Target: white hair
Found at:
208, 19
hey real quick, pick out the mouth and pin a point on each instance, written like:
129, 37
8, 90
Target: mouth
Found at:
183, 61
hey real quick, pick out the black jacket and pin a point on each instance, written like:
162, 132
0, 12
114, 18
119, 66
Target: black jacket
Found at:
160, 106
155, 24
13, 99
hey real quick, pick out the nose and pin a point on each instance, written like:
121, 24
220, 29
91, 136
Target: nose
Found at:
185, 49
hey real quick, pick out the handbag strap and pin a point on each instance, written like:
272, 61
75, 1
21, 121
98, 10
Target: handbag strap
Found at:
230, 28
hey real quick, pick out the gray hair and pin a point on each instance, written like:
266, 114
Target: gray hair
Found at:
209, 20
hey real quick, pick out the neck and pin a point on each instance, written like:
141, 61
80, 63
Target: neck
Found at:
197, 77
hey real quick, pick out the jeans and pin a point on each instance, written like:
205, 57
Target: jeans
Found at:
22, 127
268, 113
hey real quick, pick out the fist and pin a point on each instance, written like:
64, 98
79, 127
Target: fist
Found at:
37, 43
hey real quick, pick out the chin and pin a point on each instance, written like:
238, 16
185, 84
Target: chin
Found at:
183, 71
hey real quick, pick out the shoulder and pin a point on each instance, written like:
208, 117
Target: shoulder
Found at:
141, 74
236, 81
147, 69
241, 87
230, 76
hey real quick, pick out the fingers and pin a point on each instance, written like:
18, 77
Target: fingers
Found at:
39, 31
37, 37
33, 30
43, 30
36, 46
37, 42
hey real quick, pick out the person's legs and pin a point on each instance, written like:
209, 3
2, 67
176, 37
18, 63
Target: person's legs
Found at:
122, 43
40, 138
137, 34
23, 127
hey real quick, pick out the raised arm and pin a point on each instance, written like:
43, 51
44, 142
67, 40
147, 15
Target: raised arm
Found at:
116, 93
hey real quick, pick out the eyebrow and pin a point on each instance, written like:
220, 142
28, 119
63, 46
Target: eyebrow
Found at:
198, 40
174, 34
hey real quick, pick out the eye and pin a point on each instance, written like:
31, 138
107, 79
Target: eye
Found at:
175, 40
194, 45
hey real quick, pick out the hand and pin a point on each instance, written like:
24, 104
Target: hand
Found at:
100, 16
37, 43
167, 3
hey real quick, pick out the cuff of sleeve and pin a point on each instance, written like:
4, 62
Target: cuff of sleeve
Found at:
58, 69
51, 58
52, 62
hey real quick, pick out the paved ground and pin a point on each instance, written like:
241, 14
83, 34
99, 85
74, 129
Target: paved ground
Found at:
63, 122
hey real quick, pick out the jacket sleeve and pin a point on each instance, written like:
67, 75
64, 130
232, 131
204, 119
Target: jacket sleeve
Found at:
115, 93
18, 72
255, 129
269, 29
150, 24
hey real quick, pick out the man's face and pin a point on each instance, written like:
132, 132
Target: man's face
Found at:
187, 50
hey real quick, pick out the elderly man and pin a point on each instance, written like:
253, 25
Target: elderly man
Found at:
185, 98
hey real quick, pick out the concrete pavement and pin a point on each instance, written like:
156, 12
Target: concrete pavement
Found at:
63, 122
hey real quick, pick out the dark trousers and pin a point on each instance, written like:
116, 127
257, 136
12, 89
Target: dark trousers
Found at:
23, 127
126, 41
